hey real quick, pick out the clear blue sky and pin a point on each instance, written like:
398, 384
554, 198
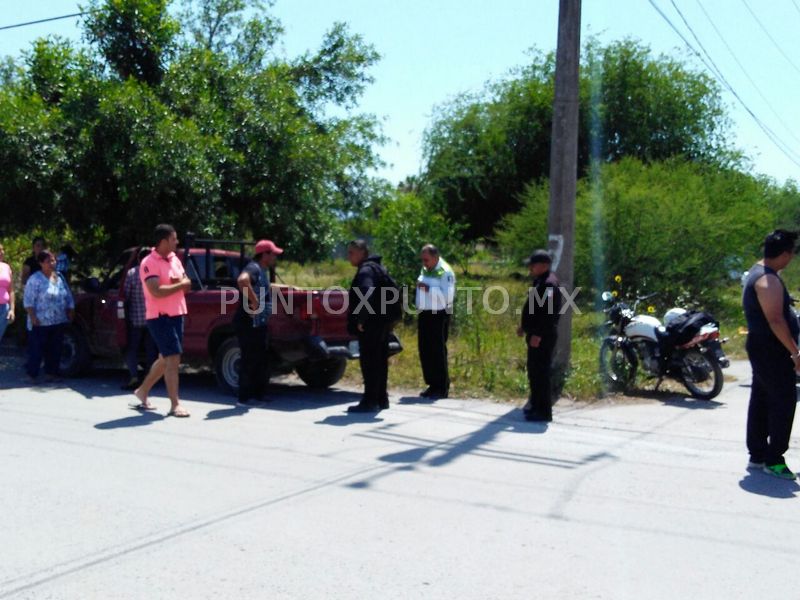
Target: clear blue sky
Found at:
435, 49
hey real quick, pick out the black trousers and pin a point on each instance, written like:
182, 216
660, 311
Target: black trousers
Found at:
373, 345
773, 398
540, 363
433, 329
254, 364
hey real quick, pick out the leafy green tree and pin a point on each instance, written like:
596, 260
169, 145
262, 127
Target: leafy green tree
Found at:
407, 223
195, 122
135, 37
482, 149
241, 29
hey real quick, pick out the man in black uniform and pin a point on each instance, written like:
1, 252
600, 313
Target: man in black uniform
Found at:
251, 321
539, 321
772, 332
367, 320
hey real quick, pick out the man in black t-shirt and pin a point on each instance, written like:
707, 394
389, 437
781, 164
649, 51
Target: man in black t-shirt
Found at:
251, 320
31, 264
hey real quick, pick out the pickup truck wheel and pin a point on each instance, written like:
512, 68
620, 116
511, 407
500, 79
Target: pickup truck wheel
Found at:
322, 374
226, 365
75, 357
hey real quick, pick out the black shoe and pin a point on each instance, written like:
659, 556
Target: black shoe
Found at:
384, 405
243, 402
537, 417
426, 393
438, 394
363, 408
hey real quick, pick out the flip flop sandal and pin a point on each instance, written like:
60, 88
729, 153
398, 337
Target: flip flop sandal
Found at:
142, 407
179, 415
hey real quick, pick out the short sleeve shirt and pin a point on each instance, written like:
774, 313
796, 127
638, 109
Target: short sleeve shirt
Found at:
259, 280
134, 298
50, 300
167, 270
5, 283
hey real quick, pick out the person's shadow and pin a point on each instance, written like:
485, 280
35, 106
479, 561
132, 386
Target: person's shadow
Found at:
762, 484
349, 419
222, 413
138, 420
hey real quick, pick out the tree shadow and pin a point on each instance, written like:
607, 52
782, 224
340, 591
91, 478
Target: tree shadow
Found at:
763, 484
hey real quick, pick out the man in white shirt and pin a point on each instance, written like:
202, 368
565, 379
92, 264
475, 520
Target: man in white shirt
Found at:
436, 289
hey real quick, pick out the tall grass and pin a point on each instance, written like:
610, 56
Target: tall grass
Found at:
487, 359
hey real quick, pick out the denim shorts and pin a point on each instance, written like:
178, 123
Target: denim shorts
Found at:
167, 333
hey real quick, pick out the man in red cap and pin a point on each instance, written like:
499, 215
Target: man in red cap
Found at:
251, 321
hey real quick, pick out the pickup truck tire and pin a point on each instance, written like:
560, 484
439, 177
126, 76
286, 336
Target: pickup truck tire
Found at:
226, 365
75, 356
322, 374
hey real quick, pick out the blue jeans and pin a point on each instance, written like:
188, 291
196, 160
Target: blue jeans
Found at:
4, 308
45, 342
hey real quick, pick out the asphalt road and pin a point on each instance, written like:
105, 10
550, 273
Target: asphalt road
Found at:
455, 499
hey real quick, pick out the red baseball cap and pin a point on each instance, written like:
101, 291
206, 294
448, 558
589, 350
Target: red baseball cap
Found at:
267, 246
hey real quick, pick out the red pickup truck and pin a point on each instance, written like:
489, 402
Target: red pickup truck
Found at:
307, 328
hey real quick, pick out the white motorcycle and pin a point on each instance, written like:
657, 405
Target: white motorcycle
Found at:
687, 348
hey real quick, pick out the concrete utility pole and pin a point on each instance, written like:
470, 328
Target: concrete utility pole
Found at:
564, 164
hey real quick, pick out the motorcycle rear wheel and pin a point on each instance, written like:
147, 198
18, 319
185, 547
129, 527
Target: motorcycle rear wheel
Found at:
701, 375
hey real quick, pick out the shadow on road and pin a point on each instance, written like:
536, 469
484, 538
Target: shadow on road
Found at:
412, 400
439, 453
421, 452
762, 484
349, 419
678, 400
138, 420
224, 413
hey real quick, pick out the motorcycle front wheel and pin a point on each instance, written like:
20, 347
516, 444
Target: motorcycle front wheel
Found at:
617, 364
702, 375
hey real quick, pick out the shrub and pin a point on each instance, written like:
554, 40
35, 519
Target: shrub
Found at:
677, 228
404, 226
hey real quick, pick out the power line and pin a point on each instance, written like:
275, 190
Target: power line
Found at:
786, 150
80, 14
769, 35
741, 66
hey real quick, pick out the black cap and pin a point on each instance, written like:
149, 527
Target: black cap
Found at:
539, 256
778, 242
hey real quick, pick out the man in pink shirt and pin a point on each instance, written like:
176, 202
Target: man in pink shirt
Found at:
165, 284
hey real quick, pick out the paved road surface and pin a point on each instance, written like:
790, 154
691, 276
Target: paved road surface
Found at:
295, 499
